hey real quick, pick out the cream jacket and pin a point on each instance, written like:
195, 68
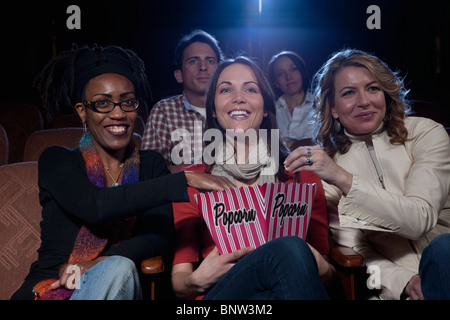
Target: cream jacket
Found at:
391, 225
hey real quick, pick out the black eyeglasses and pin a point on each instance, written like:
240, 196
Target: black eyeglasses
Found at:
106, 106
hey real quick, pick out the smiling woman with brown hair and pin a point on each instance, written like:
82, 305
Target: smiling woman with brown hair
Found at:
239, 99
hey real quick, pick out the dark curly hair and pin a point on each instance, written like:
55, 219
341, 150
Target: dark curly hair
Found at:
57, 82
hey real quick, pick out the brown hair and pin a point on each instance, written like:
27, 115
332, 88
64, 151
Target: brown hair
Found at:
269, 122
300, 64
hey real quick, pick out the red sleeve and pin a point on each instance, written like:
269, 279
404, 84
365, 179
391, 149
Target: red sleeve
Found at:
187, 221
197, 168
191, 234
318, 230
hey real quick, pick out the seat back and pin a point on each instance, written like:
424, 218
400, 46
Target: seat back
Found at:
431, 110
19, 121
67, 121
20, 214
40, 140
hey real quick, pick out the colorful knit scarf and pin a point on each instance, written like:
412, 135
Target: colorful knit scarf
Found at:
92, 240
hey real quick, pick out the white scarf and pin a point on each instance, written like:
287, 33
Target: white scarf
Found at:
259, 163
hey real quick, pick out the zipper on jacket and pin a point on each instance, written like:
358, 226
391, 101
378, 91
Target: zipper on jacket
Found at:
380, 177
371, 149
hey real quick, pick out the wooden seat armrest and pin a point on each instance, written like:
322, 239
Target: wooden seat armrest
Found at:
346, 257
152, 265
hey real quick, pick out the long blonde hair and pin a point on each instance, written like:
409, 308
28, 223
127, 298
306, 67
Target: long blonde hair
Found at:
392, 85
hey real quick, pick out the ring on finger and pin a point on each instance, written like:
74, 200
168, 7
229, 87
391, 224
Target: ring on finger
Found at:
308, 157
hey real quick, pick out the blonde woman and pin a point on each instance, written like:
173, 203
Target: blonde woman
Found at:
386, 174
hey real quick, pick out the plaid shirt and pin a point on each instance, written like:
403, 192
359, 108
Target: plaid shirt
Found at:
167, 116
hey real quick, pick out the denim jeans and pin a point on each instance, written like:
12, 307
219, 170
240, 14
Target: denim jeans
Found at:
434, 269
284, 268
114, 278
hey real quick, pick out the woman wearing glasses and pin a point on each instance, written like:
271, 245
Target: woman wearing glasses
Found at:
106, 205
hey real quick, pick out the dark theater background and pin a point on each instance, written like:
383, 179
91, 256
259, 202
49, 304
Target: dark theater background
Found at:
414, 37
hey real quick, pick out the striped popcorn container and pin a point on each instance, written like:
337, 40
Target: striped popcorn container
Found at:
251, 216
